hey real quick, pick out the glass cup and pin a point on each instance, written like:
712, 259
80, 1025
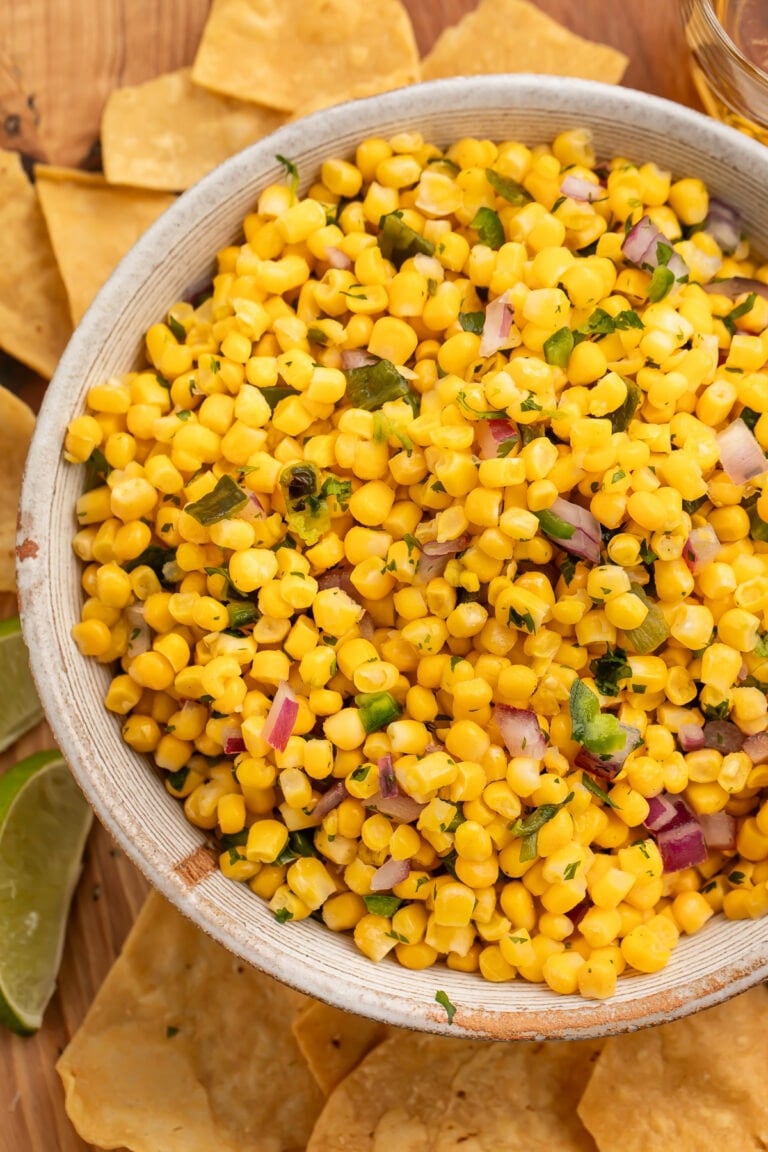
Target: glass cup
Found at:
728, 42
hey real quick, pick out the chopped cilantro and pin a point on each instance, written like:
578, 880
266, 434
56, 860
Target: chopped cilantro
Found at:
558, 347
442, 999
489, 227
382, 905
719, 711
736, 313
662, 279
528, 827
597, 791
521, 620
609, 669
507, 188
472, 321
283, 915
178, 329
292, 174
171, 1031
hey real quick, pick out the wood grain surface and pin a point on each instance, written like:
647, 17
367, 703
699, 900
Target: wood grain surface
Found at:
59, 59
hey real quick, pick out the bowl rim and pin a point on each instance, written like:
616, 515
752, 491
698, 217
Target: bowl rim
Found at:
203, 898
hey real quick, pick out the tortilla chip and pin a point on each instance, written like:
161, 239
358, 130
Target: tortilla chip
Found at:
277, 52
357, 92
188, 1049
416, 1092
693, 1084
334, 1042
17, 423
516, 36
168, 133
34, 318
92, 225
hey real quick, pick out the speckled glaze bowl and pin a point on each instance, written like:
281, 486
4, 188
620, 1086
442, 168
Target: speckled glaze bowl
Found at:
126, 793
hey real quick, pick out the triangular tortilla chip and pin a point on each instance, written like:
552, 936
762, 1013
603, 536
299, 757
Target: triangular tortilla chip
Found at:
17, 423
169, 132
188, 1049
515, 36
34, 318
92, 225
276, 52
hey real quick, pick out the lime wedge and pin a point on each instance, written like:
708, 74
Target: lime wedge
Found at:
44, 822
21, 708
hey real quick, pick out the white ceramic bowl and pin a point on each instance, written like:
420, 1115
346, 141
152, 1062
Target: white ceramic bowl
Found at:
127, 795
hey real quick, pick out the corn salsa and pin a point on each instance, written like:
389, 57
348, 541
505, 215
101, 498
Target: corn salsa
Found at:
429, 548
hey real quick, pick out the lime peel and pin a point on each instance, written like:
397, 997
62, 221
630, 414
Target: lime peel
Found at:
44, 823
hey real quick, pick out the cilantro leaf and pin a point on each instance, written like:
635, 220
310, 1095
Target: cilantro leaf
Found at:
596, 790
507, 188
442, 999
380, 905
472, 321
489, 227
661, 283
292, 174
609, 669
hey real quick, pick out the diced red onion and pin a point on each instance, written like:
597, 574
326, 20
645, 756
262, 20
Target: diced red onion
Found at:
435, 554
733, 286
281, 717
390, 873
723, 735
691, 737
356, 358
330, 799
498, 324
587, 539
491, 434
579, 188
641, 246
723, 223
577, 914
387, 779
741, 456
338, 577
701, 547
756, 747
682, 847
232, 741
336, 258
677, 832
666, 811
253, 509
366, 626
140, 635
719, 831
520, 730
640, 238
401, 807
606, 767
201, 287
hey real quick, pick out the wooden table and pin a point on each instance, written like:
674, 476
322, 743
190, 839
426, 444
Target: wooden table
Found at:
55, 71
